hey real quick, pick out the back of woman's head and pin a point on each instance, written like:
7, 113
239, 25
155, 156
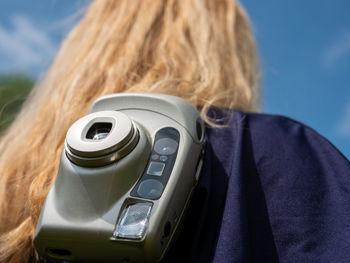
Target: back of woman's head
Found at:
201, 50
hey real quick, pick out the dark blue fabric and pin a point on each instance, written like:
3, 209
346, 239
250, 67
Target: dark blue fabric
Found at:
272, 190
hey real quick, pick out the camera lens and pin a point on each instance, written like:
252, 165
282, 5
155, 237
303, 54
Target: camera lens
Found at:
165, 146
99, 131
100, 135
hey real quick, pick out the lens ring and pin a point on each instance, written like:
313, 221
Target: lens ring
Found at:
80, 136
105, 159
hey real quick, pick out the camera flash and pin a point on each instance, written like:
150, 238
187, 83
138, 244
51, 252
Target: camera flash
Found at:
133, 221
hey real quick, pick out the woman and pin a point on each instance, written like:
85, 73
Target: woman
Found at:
251, 192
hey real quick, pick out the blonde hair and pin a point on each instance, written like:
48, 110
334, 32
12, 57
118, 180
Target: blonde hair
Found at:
201, 50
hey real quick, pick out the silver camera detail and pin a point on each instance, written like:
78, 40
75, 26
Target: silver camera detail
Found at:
125, 179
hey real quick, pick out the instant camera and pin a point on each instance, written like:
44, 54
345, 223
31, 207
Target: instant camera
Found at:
125, 179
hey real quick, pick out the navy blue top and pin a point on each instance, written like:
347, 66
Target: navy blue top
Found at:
272, 190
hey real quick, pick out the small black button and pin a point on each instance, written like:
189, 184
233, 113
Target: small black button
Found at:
163, 158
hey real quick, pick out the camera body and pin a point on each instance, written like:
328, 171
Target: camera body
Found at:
124, 182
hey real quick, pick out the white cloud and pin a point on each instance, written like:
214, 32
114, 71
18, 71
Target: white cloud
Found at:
338, 50
25, 46
343, 127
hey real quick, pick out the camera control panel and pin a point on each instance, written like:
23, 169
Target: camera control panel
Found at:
160, 165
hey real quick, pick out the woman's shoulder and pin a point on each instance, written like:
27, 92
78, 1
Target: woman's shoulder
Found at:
274, 136
285, 183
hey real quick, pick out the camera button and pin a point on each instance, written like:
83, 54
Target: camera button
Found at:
155, 156
163, 158
150, 189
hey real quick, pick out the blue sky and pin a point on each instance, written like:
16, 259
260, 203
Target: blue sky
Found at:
304, 48
305, 52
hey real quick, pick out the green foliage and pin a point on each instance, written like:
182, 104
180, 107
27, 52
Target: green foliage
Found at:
14, 89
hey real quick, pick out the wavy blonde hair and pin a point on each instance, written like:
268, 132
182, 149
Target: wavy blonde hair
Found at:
201, 50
